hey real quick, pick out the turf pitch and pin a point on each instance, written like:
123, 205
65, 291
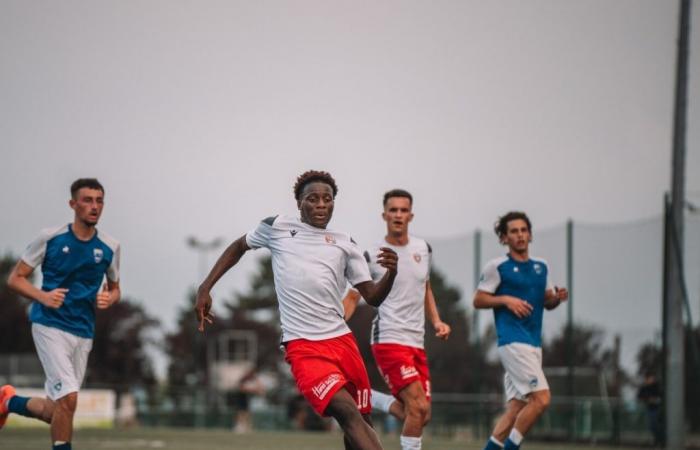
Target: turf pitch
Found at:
188, 439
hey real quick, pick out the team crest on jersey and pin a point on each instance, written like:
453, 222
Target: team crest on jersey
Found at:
293, 232
98, 254
515, 269
330, 239
538, 269
416, 257
66, 249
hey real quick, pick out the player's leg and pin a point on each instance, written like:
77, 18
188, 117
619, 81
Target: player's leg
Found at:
388, 404
10, 402
64, 359
359, 435
525, 372
416, 408
62, 421
331, 376
515, 400
538, 402
505, 423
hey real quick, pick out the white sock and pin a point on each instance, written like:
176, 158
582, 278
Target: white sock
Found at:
381, 401
515, 436
496, 441
410, 443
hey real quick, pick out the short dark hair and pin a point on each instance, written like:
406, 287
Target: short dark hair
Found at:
397, 193
80, 183
309, 177
501, 225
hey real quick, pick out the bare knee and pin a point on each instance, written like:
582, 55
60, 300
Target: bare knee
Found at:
345, 412
67, 404
418, 408
428, 414
542, 399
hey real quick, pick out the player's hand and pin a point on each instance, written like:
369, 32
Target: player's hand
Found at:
203, 309
561, 294
442, 330
104, 298
519, 307
387, 258
54, 299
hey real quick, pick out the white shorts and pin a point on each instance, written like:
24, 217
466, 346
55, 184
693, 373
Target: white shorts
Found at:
523, 367
64, 358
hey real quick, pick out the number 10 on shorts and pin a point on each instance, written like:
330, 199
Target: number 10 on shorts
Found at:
362, 398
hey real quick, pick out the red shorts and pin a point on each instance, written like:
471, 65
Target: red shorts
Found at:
322, 368
401, 365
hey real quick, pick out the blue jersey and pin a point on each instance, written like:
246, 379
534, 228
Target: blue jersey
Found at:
79, 266
527, 281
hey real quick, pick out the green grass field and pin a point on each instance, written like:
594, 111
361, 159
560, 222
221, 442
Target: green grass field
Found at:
149, 438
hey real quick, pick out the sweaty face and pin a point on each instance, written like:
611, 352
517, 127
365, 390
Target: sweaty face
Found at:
397, 215
316, 204
88, 204
518, 236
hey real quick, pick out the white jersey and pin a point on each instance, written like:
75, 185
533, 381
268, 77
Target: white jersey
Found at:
400, 318
312, 267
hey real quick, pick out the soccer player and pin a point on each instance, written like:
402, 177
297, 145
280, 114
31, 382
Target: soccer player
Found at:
398, 328
74, 260
518, 289
312, 266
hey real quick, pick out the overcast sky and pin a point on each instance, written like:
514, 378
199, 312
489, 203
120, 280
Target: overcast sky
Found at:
198, 116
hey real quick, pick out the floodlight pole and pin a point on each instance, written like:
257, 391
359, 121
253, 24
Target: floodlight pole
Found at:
202, 248
675, 348
571, 389
476, 332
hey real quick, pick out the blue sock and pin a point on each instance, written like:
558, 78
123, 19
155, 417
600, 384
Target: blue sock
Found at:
491, 444
64, 446
18, 405
510, 445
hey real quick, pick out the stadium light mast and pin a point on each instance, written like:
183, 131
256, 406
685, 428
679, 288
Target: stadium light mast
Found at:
203, 248
673, 318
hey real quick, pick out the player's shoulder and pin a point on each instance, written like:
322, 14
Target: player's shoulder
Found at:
420, 244
280, 221
496, 262
49, 233
109, 240
270, 220
341, 236
537, 260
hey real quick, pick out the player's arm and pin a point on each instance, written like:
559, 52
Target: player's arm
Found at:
375, 293
110, 294
228, 259
554, 297
350, 301
19, 282
487, 300
442, 330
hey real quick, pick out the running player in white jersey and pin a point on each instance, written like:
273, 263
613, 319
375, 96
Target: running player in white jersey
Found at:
399, 326
518, 289
312, 266
74, 260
